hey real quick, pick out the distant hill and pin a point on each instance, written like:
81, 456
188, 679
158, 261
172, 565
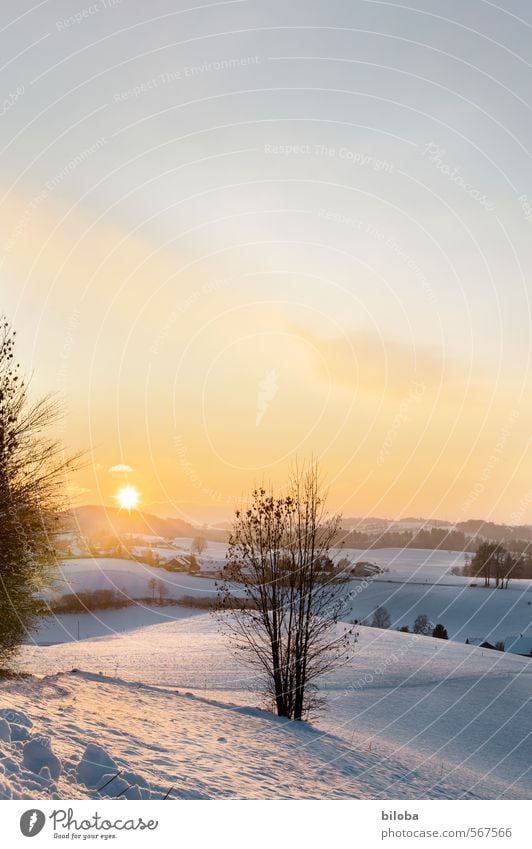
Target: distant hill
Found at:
493, 531
92, 520
471, 529
364, 522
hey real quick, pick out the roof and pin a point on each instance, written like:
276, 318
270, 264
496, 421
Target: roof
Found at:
366, 566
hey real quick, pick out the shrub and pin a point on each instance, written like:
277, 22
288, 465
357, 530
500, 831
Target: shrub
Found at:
107, 599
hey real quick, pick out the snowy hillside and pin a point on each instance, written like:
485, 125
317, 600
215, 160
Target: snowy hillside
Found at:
410, 717
466, 611
418, 582
104, 623
94, 739
127, 577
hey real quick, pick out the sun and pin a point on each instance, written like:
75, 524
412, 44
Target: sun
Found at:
128, 497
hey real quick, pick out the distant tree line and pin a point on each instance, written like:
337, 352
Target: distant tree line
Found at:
106, 599
434, 538
422, 625
492, 561
112, 599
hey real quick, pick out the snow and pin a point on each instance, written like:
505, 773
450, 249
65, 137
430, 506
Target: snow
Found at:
37, 756
127, 577
15, 717
195, 748
149, 700
213, 550
408, 562
466, 611
95, 763
67, 627
408, 717
418, 582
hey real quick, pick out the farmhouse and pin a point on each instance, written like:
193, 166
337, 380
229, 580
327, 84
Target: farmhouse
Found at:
365, 569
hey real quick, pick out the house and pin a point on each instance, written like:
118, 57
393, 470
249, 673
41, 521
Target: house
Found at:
519, 645
365, 569
174, 564
212, 569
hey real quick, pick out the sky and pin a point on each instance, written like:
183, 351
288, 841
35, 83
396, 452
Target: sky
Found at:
238, 233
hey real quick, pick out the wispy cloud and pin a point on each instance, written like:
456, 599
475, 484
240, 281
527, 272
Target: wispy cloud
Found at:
75, 490
121, 467
364, 361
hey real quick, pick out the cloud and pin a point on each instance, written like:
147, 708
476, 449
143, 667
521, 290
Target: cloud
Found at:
74, 490
121, 467
371, 363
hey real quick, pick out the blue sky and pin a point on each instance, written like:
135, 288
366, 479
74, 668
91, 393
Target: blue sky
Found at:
198, 196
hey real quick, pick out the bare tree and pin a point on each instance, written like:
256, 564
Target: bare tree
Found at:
278, 557
511, 566
153, 585
162, 590
33, 471
499, 565
423, 625
199, 545
487, 562
381, 618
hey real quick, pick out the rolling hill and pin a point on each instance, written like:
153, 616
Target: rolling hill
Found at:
93, 520
171, 709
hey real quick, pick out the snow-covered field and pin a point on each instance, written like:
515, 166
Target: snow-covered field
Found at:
409, 717
158, 698
415, 563
418, 582
467, 612
102, 737
103, 623
125, 576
